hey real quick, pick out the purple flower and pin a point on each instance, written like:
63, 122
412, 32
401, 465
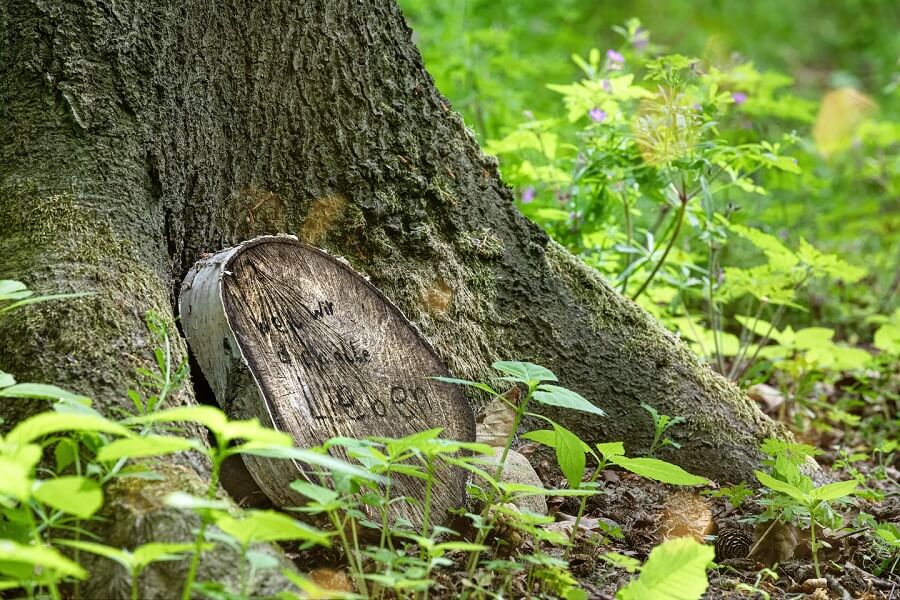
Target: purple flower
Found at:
606, 85
597, 115
527, 195
641, 38
614, 56
739, 98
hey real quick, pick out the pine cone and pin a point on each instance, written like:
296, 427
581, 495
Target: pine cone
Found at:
733, 542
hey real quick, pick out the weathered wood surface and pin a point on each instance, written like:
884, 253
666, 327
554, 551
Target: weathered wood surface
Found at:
286, 333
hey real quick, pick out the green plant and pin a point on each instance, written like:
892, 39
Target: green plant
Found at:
794, 495
735, 494
754, 588
675, 569
661, 424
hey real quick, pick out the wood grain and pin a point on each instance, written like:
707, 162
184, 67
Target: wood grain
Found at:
288, 334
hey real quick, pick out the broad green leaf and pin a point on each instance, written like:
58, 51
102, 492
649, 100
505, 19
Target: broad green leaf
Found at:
120, 556
554, 395
546, 437
137, 559
524, 372
6, 380
461, 546
659, 470
475, 384
887, 338
570, 455
208, 416
12, 289
139, 447
15, 478
833, 491
675, 570
251, 431
813, 337
50, 422
781, 486
42, 391
187, 501
314, 492
40, 557
269, 526
77, 496
890, 533
309, 457
152, 552
521, 490
620, 561
610, 449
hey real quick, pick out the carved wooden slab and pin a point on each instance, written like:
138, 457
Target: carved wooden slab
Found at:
286, 333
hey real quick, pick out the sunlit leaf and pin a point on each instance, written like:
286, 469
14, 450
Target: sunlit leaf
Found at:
659, 470
77, 496
555, 395
151, 445
675, 570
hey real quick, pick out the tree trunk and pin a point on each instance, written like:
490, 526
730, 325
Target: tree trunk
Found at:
136, 136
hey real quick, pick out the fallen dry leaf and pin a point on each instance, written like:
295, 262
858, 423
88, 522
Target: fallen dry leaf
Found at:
769, 396
330, 579
495, 424
686, 515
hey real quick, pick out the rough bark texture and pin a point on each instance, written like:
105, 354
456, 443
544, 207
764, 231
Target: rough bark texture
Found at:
135, 136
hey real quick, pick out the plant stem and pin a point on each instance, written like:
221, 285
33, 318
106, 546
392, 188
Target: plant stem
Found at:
812, 541
629, 231
204, 522
520, 412
581, 507
134, 585
429, 484
679, 219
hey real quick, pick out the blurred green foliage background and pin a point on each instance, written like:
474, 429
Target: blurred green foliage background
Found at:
731, 165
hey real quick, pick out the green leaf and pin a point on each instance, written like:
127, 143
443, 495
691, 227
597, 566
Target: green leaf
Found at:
553, 395
6, 380
42, 391
120, 556
546, 437
833, 491
15, 477
475, 384
139, 447
136, 560
312, 458
314, 492
269, 526
208, 416
524, 372
50, 422
77, 496
11, 289
781, 486
610, 449
570, 455
40, 557
675, 570
188, 501
659, 470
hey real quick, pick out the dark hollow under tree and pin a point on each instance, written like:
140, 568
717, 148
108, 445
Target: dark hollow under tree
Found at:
136, 136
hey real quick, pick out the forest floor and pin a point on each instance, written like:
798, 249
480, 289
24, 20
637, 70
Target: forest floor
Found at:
633, 515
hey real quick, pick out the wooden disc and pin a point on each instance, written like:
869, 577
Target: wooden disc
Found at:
286, 333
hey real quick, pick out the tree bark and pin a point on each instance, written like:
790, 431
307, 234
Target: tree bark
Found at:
136, 136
